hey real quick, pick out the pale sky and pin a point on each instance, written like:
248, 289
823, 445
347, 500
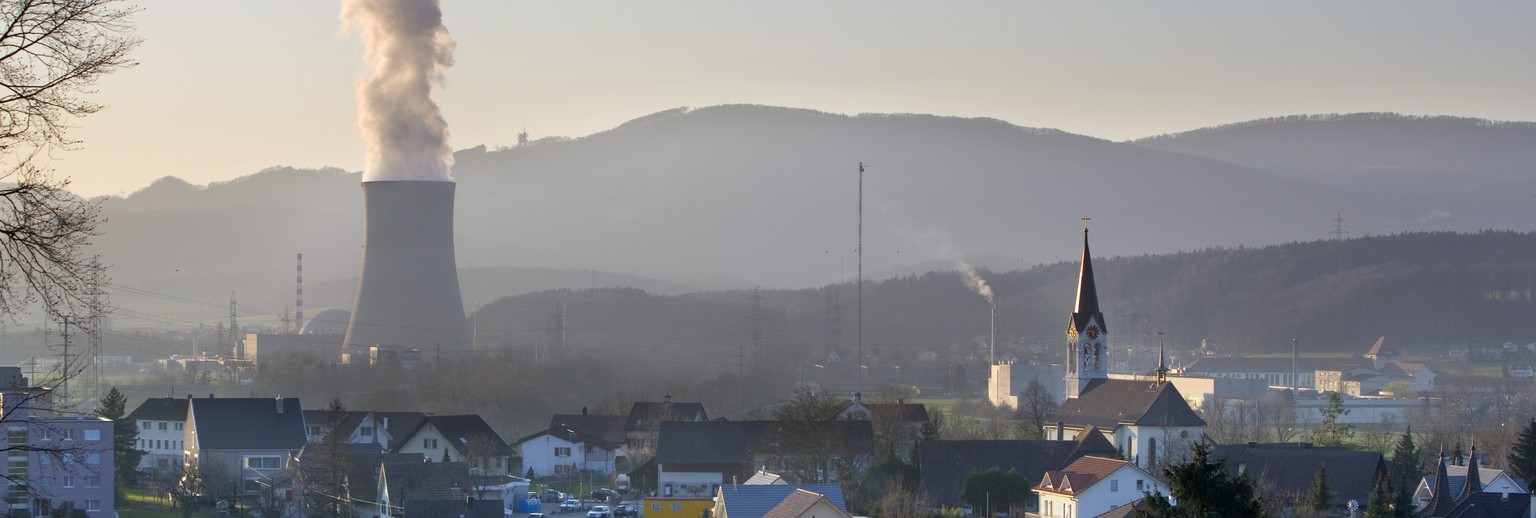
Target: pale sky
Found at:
227, 88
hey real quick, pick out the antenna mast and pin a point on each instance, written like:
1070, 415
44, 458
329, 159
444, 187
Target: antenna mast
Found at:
859, 362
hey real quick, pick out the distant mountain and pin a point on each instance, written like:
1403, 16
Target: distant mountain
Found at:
1452, 173
736, 196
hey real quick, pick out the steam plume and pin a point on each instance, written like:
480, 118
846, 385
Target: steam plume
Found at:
406, 48
975, 282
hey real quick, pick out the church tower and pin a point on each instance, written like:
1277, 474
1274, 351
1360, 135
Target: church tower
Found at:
1086, 334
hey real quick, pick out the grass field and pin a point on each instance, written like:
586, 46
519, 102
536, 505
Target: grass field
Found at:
139, 503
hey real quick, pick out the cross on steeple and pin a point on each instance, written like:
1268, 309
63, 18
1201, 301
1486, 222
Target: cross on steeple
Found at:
1085, 223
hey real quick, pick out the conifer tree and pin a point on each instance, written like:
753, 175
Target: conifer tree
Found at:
1203, 489
1320, 498
1383, 496
125, 438
1522, 456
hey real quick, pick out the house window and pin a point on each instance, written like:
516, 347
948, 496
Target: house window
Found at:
69, 435
676, 506
1138, 486
430, 444
366, 431
44, 434
93, 458
263, 462
562, 451
146, 425
655, 506
1114, 486
179, 425
69, 481
93, 435
93, 505
162, 426
93, 481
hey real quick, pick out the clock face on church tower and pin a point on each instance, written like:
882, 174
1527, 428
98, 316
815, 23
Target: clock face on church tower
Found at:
1092, 332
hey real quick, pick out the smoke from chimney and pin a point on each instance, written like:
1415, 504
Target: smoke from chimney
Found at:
974, 281
407, 48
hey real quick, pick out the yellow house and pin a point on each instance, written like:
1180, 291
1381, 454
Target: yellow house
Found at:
663, 507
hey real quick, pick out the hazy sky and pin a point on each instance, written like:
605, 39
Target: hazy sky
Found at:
225, 88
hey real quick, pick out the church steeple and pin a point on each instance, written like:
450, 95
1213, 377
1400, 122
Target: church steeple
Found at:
1087, 292
1086, 333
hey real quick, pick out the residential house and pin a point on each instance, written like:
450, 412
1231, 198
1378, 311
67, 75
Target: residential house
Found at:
1091, 486
1288, 470
806, 504
561, 451
609, 428
1145, 419
946, 463
694, 458
362, 463
162, 425
422, 489
1472, 501
645, 418
459, 438
382, 429
245, 440
1492, 480
778, 501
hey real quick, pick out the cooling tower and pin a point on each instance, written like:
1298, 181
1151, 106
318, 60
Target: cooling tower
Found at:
408, 293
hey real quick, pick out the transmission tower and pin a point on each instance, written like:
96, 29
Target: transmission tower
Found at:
1338, 227
833, 324
757, 317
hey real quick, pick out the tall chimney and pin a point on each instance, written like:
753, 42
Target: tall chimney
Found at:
408, 292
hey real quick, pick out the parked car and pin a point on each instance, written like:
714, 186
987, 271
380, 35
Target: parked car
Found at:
570, 505
600, 511
626, 510
604, 494
535, 515
550, 495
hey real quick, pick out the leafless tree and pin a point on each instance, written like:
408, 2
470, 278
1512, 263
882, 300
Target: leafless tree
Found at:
52, 53
1036, 408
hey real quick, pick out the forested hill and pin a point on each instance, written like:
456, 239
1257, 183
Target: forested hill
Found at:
1423, 291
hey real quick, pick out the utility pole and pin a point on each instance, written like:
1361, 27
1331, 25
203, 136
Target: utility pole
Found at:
93, 328
833, 325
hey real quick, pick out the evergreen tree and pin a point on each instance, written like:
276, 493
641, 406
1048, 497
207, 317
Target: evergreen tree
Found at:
1522, 456
1407, 470
1321, 497
1382, 499
125, 438
1203, 489
1331, 432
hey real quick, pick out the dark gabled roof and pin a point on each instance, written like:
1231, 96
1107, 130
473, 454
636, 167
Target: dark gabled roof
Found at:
1106, 403
345, 421
565, 433
248, 424
160, 409
642, 414
1292, 467
399, 424
742, 501
425, 481
1491, 505
1087, 306
606, 427
945, 464
734, 442
460, 431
